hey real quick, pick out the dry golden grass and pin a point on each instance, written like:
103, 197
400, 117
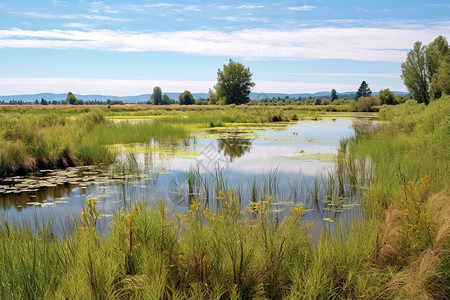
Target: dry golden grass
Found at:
413, 281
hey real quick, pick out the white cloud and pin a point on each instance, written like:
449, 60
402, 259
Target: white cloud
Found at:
192, 8
244, 6
159, 5
228, 18
78, 25
361, 44
249, 6
95, 17
104, 18
301, 8
99, 6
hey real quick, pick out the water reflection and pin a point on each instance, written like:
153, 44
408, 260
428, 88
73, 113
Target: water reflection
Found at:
234, 146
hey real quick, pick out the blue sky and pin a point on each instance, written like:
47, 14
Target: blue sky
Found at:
127, 47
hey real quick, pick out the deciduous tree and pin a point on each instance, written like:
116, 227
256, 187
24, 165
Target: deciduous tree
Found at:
422, 69
156, 97
186, 98
440, 83
386, 97
234, 84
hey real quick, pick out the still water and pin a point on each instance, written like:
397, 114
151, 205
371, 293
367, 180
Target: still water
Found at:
293, 162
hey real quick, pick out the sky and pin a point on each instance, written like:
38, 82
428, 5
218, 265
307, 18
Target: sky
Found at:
128, 47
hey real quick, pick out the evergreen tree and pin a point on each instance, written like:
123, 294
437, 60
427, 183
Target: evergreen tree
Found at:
333, 95
363, 91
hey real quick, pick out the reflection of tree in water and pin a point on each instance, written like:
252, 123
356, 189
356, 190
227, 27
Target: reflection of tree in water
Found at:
234, 146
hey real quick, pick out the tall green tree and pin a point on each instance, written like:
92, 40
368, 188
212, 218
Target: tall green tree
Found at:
166, 100
386, 97
156, 97
435, 52
440, 83
71, 99
234, 84
186, 98
333, 95
363, 91
414, 73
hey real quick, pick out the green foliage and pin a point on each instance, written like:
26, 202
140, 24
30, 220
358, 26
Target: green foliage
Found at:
234, 84
186, 98
414, 73
422, 69
365, 104
418, 230
435, 52
116, 102
400, 99
201, 101
414, 144
440, 82
363, 91
156, 97
166, 100
71, 99
386, 97
334, 95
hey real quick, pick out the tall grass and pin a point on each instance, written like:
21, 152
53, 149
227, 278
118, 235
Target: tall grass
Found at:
148, 254
409, 162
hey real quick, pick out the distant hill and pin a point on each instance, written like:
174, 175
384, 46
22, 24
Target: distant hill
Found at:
146, 97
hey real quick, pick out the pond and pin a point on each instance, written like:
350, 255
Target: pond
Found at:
293, 163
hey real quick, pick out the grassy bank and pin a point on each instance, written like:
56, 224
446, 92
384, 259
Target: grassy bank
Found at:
409, 196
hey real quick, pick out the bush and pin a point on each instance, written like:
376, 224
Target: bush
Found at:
366, 104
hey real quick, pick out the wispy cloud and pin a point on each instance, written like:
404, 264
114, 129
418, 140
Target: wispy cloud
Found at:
192, 8
301, 8
243, 6
246, 6
159, 5
446, 5
96, 17
78, 25
307, 43
241, 18
100, 7
105, 18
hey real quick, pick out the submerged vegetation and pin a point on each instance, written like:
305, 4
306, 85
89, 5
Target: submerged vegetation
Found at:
400, 249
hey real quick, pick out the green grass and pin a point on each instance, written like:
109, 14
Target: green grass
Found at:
200, 254
408, 162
